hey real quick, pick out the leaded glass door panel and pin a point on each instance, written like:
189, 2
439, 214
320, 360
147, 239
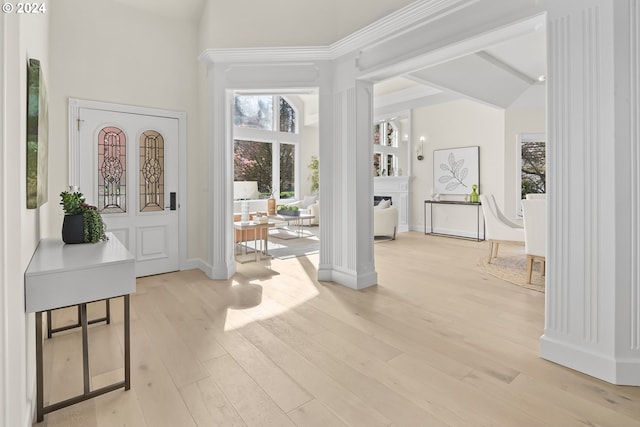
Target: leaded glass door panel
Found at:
129, 170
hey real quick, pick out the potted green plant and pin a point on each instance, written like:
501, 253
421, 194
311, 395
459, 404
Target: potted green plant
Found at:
82, 222
288, 210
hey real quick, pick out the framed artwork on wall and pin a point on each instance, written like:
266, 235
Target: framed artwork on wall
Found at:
37, 136
455, 170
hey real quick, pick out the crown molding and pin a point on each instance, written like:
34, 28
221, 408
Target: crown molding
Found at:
267, 54
415, 14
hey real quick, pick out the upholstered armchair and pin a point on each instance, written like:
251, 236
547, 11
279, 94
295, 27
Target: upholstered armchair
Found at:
499, 229
535, 233
385, 221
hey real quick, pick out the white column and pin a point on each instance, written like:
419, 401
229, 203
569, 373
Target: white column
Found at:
346, 255
593, 287
222, 262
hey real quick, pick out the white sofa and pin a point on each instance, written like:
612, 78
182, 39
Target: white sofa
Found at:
385, 221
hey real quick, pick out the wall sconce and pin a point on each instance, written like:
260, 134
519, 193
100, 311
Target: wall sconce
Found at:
420, 149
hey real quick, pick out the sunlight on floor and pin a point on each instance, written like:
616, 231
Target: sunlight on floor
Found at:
253, 301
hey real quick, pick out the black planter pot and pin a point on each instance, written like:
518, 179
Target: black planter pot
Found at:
73, 229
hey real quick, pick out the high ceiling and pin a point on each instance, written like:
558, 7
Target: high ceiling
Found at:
501, 75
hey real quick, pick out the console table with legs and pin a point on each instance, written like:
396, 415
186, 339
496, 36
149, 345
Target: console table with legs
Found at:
61, 275
431, 203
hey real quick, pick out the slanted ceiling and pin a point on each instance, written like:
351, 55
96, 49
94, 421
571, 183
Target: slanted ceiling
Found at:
497, 75
478, 76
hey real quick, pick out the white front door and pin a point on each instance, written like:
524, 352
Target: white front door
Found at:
128, 169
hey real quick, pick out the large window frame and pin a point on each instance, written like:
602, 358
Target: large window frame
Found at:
277, 139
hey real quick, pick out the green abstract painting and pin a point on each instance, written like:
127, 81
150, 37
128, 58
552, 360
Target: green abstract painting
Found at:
37, 136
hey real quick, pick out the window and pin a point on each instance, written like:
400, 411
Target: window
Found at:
112, 177
253, 112
151, 171
262, 152
287, 171
532, 172
287, 117
253, 162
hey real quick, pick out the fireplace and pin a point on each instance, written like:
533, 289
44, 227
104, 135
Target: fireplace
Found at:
378, 199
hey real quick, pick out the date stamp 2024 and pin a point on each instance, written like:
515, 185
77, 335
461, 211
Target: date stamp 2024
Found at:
24, 8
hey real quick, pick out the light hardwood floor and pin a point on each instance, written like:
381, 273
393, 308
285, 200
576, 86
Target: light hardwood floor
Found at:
436, 343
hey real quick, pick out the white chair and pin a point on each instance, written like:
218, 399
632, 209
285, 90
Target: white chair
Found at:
499, 229
536, 196
385, 222
535, 232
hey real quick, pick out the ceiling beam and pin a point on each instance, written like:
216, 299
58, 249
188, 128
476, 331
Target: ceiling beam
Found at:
506, 67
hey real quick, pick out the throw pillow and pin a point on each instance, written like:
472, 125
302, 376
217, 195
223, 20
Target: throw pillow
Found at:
384, 204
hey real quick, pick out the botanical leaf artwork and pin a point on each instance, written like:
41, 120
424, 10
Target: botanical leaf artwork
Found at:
456, 174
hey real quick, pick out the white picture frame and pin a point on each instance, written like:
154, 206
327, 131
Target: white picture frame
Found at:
455, 170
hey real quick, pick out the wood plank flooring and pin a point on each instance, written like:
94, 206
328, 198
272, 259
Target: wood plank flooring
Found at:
436, 343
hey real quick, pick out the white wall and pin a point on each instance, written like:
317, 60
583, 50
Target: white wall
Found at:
460, 123
105, 51
23, 37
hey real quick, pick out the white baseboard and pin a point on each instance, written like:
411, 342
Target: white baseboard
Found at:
209, 270
195, 263
602, 366
348, 279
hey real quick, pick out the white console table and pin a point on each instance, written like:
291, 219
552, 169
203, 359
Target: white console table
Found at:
61, 275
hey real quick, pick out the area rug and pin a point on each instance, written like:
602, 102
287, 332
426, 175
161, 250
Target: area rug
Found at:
511, 266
